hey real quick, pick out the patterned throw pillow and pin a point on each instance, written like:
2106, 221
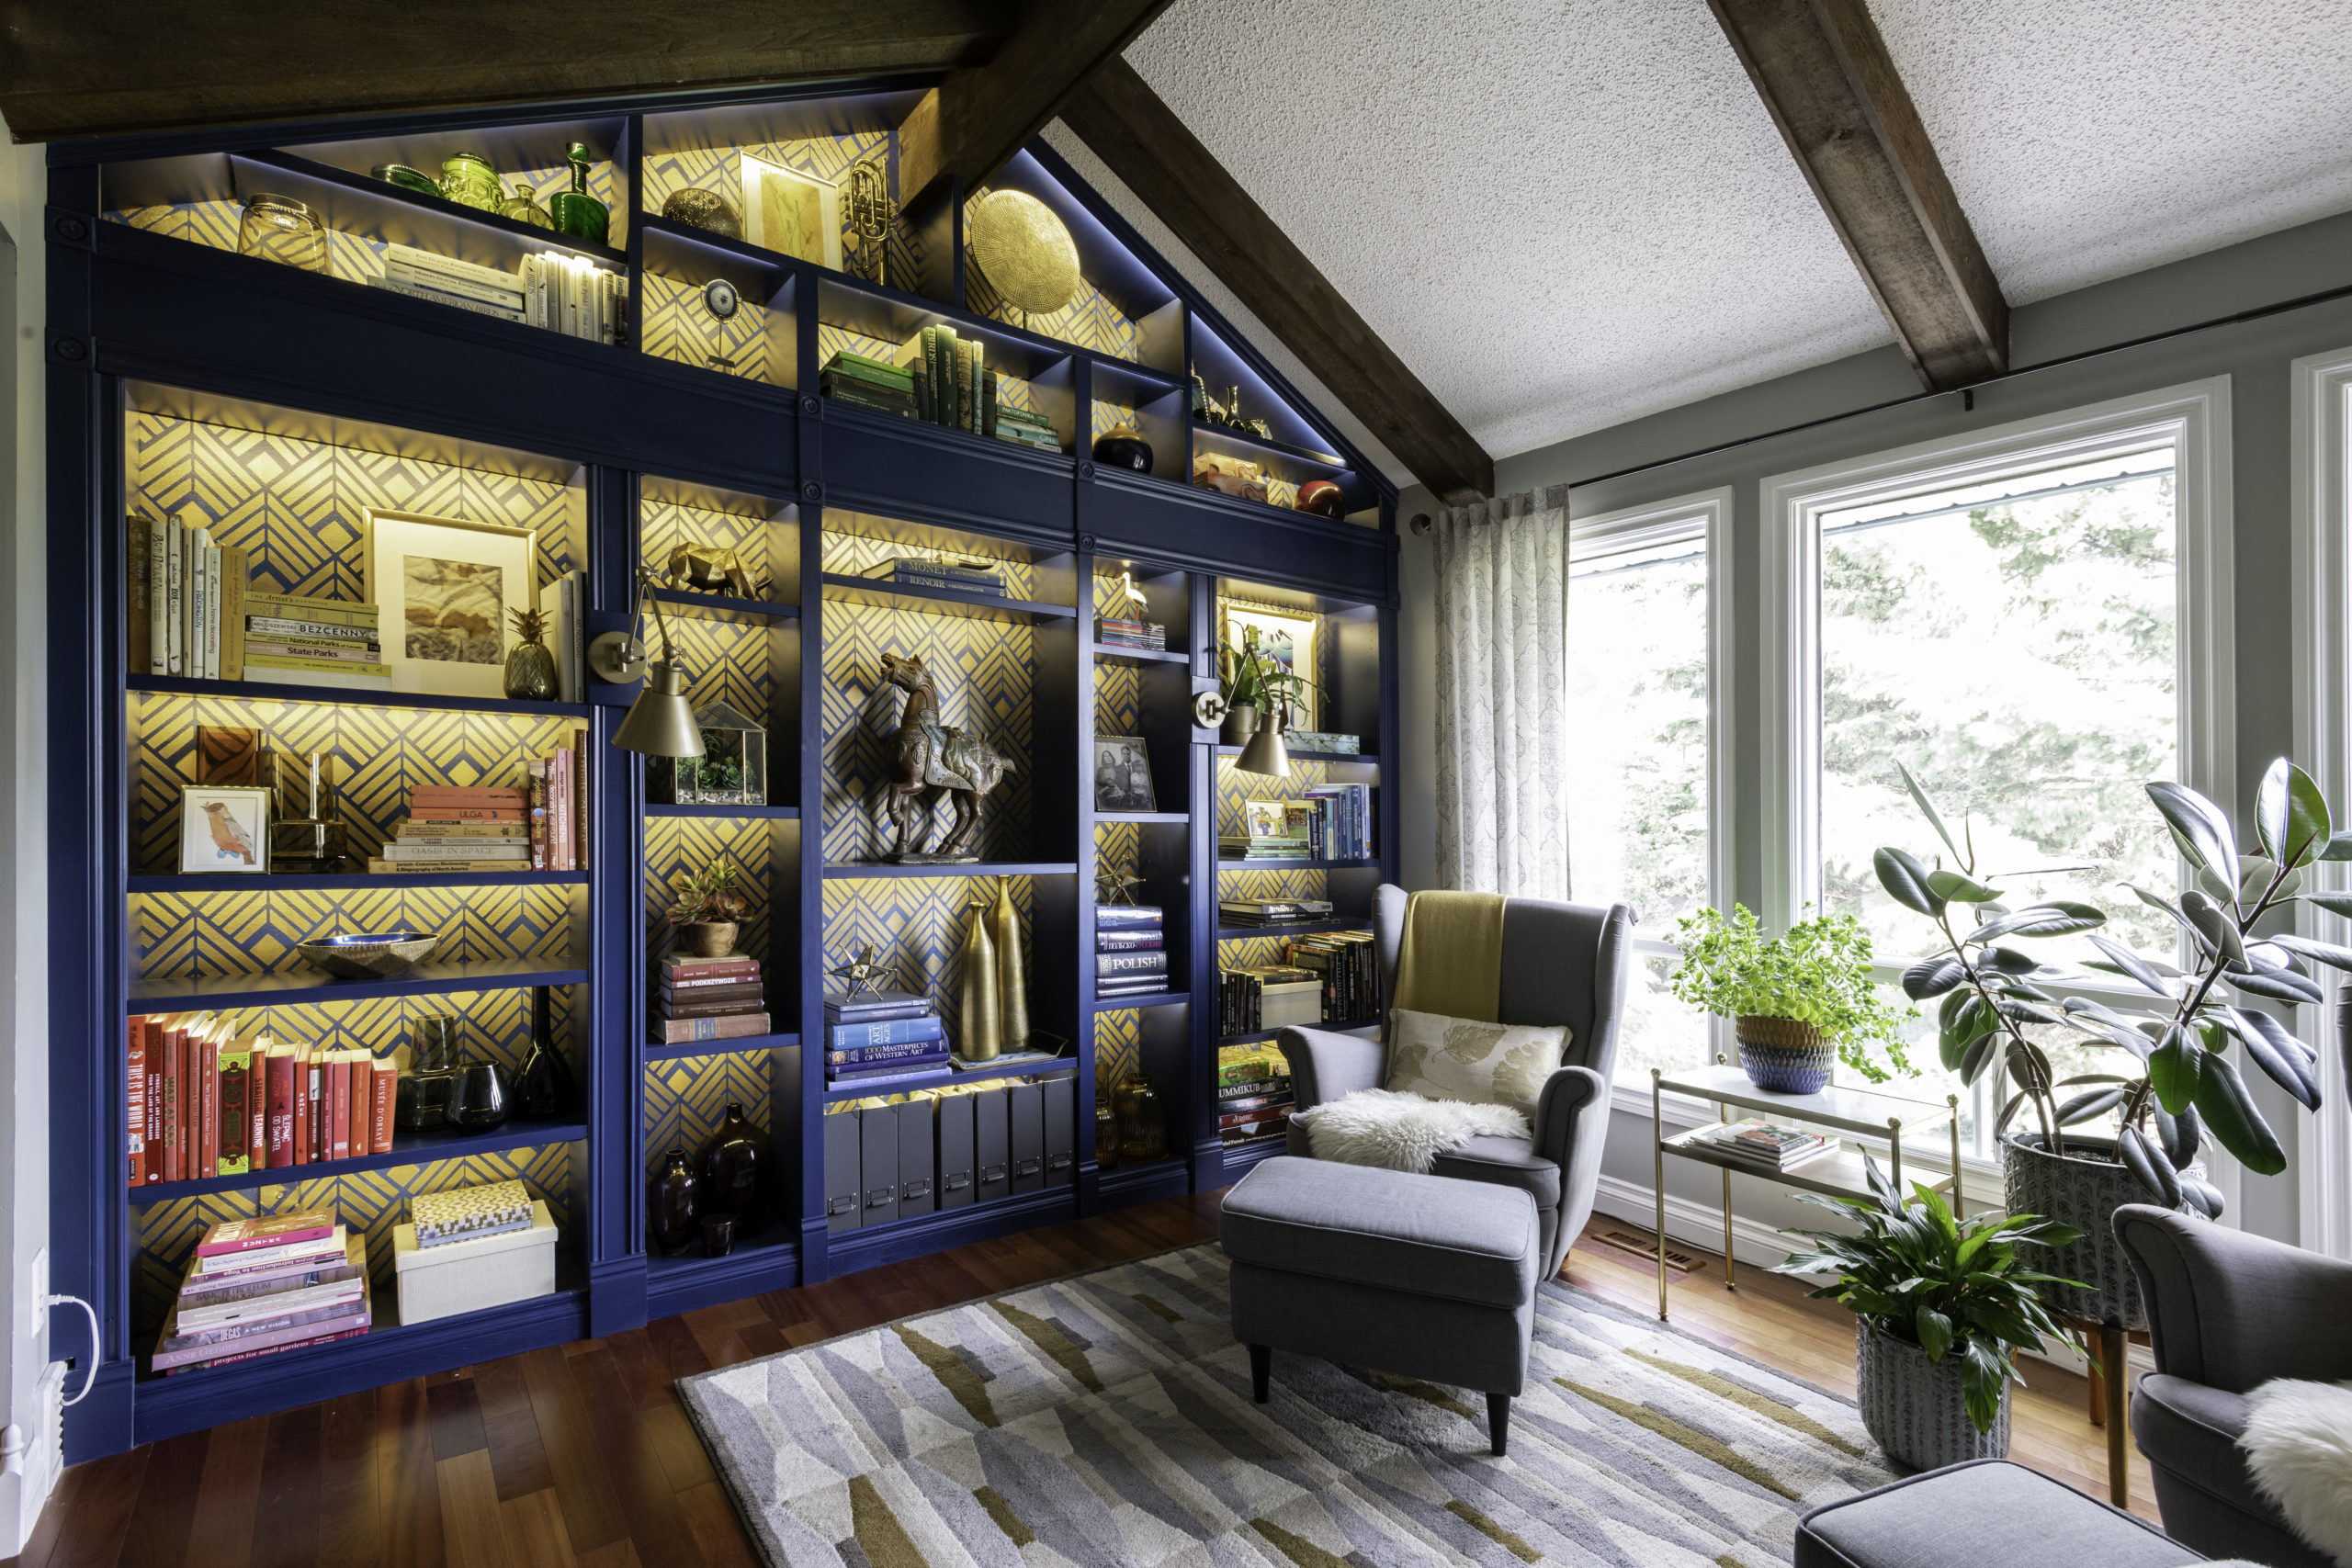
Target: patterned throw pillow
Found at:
1483, 1063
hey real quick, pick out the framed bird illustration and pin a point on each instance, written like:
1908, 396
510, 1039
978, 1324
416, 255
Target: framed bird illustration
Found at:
224, 828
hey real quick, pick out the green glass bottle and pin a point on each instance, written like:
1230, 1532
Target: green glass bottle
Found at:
576, 211
523, 208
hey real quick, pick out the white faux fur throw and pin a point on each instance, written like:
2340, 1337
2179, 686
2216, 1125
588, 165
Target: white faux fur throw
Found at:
2298, 1443
1403, 1131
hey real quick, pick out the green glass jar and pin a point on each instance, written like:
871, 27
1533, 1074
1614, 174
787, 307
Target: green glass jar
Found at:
576, 212
468, 179
522, 207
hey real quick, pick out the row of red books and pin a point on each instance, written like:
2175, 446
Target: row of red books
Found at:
259, 1286
558, 807
708, 998
207, 1102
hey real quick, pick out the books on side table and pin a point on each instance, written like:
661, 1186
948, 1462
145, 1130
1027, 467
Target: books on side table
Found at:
1130, 950
1766, 1146
259, 1286
874, 1039
708, 998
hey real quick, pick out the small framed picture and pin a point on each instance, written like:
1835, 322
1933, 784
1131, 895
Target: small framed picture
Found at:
446, 590
224, 828
1122, 774
786, 210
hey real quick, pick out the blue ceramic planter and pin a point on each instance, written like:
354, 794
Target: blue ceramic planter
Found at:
1784, 1065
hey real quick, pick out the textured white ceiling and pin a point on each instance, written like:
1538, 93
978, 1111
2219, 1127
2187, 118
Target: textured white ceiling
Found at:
2088, 139
1565, 215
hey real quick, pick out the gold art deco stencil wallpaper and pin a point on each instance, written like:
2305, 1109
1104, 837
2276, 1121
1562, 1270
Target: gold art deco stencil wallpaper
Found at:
686, 1099
677, 325
663, 525
1118, 1048
677, 845
917, 925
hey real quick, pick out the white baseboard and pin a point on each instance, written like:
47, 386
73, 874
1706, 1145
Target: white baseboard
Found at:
1762, 1245
35, 1459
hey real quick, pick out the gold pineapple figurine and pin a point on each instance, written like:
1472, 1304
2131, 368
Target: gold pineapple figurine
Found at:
530, 667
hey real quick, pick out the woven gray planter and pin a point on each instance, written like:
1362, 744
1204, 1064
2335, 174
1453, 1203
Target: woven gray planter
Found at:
2083, 1193
1917, 1410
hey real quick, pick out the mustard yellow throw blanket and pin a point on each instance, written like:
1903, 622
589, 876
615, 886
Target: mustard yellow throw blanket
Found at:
1450, 959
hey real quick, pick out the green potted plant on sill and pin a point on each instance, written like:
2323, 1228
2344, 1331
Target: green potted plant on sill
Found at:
707, 910
1799, 1002
2175, 1084
1941, 1303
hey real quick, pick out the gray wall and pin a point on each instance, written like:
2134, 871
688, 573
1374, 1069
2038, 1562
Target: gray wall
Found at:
2253, 355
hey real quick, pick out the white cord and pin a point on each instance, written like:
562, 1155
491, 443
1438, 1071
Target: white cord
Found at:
92, 1314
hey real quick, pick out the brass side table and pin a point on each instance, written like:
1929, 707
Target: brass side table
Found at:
1854, 1112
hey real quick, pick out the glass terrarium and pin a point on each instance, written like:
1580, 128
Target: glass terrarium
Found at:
731, 771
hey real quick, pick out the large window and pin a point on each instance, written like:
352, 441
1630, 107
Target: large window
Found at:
1642, 789
2033, 621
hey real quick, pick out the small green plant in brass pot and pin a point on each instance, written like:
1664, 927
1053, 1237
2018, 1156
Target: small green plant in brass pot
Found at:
1799, 1002
708, 910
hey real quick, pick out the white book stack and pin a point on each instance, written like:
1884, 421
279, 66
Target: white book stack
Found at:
421, 275
567, 294
564, 632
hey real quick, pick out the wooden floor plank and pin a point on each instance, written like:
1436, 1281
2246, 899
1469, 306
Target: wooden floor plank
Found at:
580, 1456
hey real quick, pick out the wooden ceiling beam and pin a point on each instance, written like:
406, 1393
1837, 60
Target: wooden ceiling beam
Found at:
116, 67
1824, 71
1131, 129
978, 118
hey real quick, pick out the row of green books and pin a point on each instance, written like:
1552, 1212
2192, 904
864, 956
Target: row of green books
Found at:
941, 369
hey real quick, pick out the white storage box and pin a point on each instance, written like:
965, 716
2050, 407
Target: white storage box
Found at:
1292, 1004
483, 1272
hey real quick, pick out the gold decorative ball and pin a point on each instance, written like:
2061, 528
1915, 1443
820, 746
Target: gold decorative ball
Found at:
1027, 254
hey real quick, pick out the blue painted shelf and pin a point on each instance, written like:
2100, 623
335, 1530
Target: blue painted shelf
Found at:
408, 1148
772, 813
1118, 655
311, 987
1146, 999
1276, 863
834, 869
665, 1051
724, 607
1179, 819
1298, 756
944, 601
1060, 1066
231, 882
1293, 928
257, 691
1262, 1035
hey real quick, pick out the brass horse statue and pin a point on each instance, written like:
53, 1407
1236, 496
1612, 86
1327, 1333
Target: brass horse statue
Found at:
927, 756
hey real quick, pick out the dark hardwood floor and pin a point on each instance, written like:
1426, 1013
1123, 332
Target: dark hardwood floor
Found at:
580, 1454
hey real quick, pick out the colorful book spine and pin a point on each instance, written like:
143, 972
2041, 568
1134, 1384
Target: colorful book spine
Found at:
891, 1033
281, 1107
926, 1062
684, 969
383, 1081
337, 1092
737, 1026
235, 1070
138, 1081
858, 1048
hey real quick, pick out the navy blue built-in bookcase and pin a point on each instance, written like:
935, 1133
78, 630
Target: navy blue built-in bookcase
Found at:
272, 404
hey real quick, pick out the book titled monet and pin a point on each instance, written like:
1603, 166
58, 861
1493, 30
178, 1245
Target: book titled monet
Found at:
266, 1230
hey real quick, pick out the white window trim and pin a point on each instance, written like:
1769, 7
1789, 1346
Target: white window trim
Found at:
1707, 517
2322, 600
2193, 418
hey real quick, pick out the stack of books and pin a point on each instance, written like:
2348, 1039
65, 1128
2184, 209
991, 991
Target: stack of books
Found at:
449, 828
1114, 633
1253, 1094
288, 639
708, 998
1022, 428
1277, 829
866, 383
1130, 950
948, 378
186, 612
1338, 820
877, 1038
256, 1287
1767, 1146
557, 806
205, 1100
1272, 911
1348, 963
1269, 996
562, 293
965, 574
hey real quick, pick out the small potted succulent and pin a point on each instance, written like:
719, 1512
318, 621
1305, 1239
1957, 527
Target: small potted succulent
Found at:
1799, 1002
708, 907
1940, 1305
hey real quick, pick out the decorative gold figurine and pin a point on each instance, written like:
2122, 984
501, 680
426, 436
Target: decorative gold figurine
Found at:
863, 974
1012, 973
868, 215
710, 569
982, 1021
1118, 886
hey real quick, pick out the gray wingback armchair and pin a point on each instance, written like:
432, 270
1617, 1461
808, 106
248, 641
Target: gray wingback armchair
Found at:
2227, 1312
1562, 963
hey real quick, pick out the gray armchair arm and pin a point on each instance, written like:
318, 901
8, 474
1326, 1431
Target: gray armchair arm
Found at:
1324, 1065
1571, 1127
2231, 1310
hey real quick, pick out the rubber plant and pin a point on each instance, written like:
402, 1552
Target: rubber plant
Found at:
1949, 1286
2178, 1083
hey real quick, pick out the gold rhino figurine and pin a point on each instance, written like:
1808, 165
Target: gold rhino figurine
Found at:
711, 569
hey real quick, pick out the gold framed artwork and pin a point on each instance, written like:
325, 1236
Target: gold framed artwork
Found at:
224, 828
1286, 643
444, 589
786, 210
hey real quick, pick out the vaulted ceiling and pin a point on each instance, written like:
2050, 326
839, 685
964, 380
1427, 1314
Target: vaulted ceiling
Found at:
1566, 216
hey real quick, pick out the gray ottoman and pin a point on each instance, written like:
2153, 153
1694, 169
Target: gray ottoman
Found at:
1422, 1276
1990, 1514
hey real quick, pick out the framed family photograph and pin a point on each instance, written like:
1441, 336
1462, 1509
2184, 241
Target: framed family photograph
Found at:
1122, 774
445, 589
1286, 643
224, 828
786, 210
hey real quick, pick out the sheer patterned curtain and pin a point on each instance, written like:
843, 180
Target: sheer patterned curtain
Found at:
1502, 593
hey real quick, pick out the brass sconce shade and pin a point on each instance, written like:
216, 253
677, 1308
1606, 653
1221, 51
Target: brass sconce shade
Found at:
661, 722
1265, 753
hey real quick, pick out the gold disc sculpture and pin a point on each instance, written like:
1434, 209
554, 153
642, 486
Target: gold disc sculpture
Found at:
1028, 257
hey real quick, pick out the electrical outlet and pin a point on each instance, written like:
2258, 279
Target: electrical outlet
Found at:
36, 1299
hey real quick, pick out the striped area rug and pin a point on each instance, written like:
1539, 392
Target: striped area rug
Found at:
1105, 1420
